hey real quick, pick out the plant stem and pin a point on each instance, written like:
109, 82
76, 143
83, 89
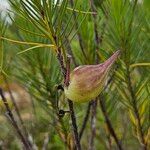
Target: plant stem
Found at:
66, 75
85, 120
93, 125
109, 125
61, 62
134, 105
70, 103
74, 124
13, 121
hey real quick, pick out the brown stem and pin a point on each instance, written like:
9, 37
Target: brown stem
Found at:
109, 125
66, 74
13, 121
74, 124
70, 103
61, 61
93, 125
134, 105
85, 120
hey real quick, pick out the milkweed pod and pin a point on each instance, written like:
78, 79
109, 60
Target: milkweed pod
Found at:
87, 81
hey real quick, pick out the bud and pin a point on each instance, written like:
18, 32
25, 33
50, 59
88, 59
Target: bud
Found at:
87, 81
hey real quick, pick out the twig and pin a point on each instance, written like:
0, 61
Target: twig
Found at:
85, 120
74, 124
93, 125
61, 62
66, 74
70, 103
108, 122
13, 121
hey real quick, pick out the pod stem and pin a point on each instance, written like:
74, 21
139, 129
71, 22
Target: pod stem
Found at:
66, 75
74, 125
70, 103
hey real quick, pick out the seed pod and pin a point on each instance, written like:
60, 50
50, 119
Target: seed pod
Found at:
87, 81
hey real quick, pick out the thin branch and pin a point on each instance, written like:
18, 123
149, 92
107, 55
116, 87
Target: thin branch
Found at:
70, 103
66, 75
108, 122
74, 124
61, 62
85, 120
13, 121
93, 125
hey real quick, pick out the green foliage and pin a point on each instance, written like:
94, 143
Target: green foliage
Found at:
29, 53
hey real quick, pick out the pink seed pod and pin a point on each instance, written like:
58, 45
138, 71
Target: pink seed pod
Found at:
87, 81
